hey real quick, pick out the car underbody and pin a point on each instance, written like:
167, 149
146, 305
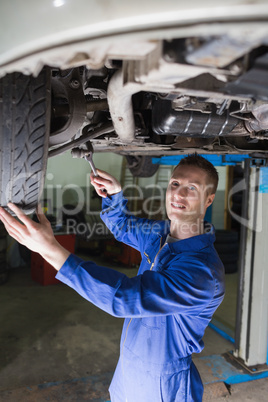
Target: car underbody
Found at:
190, 94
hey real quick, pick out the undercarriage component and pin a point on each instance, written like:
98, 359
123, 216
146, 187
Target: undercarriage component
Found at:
166, 120
121, 110
193, 142
260, 121
221, 52
246, 144
153, 74
86, 136
253, 83
150, 106
68, 106
141, 166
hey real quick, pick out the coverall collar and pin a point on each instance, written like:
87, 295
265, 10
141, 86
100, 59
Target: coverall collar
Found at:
194, 243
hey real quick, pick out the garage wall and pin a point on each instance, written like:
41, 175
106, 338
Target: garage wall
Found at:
64, 170
68, 181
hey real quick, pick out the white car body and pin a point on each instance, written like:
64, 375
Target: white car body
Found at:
64, 33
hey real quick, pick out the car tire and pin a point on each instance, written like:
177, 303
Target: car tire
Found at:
141, 166
231, 268
227, 246
24, 135
3, 276
226, 237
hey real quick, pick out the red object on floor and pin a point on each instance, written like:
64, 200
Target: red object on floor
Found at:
122, 253
41, 271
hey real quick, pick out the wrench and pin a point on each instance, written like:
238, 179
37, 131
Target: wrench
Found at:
89, 158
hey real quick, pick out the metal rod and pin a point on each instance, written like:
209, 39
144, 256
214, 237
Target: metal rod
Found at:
105, 129
252, 260
242, 257
97, 104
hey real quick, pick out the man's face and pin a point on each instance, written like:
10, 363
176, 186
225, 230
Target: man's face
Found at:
188, 194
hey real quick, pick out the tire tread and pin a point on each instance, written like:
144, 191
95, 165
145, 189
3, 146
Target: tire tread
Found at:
24, 136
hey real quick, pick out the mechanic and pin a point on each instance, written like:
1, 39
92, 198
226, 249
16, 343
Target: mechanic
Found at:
169, 304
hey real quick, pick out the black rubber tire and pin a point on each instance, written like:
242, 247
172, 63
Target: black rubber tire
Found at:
4, 269
226, 236
24, 134
228, 258
231, 268
4, 277
141, 166
227, 248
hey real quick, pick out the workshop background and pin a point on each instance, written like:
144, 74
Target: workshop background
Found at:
56, 346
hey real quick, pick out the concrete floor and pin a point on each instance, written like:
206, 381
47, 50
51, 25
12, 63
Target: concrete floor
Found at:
55, 346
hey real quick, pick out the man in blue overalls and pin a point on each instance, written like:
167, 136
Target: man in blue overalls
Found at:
169, 304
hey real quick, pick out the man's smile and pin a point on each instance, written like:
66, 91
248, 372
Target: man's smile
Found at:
178, 205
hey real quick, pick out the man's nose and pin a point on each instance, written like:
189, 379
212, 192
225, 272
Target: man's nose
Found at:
181, 192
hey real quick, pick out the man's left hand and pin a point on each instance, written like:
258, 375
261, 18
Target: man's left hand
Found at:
36, 236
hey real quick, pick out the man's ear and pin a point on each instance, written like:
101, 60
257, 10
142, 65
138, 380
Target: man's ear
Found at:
210, 200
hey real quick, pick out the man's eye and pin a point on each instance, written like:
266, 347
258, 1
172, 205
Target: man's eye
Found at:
192, 188
175, 183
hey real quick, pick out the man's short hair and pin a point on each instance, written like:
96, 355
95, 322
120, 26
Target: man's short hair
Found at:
204, 164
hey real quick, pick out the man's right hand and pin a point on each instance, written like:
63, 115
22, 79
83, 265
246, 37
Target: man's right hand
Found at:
105, 184
37, 236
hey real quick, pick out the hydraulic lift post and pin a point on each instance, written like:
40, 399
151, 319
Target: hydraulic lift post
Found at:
251, 334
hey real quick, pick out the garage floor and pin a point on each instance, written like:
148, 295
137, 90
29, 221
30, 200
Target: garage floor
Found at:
55, 346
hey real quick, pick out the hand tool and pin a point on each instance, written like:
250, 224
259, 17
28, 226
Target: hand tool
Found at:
89, 158
87, 155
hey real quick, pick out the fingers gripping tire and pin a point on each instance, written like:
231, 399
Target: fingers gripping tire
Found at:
24, 134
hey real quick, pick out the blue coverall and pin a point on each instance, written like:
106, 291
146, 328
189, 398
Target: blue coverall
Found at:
167, 306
